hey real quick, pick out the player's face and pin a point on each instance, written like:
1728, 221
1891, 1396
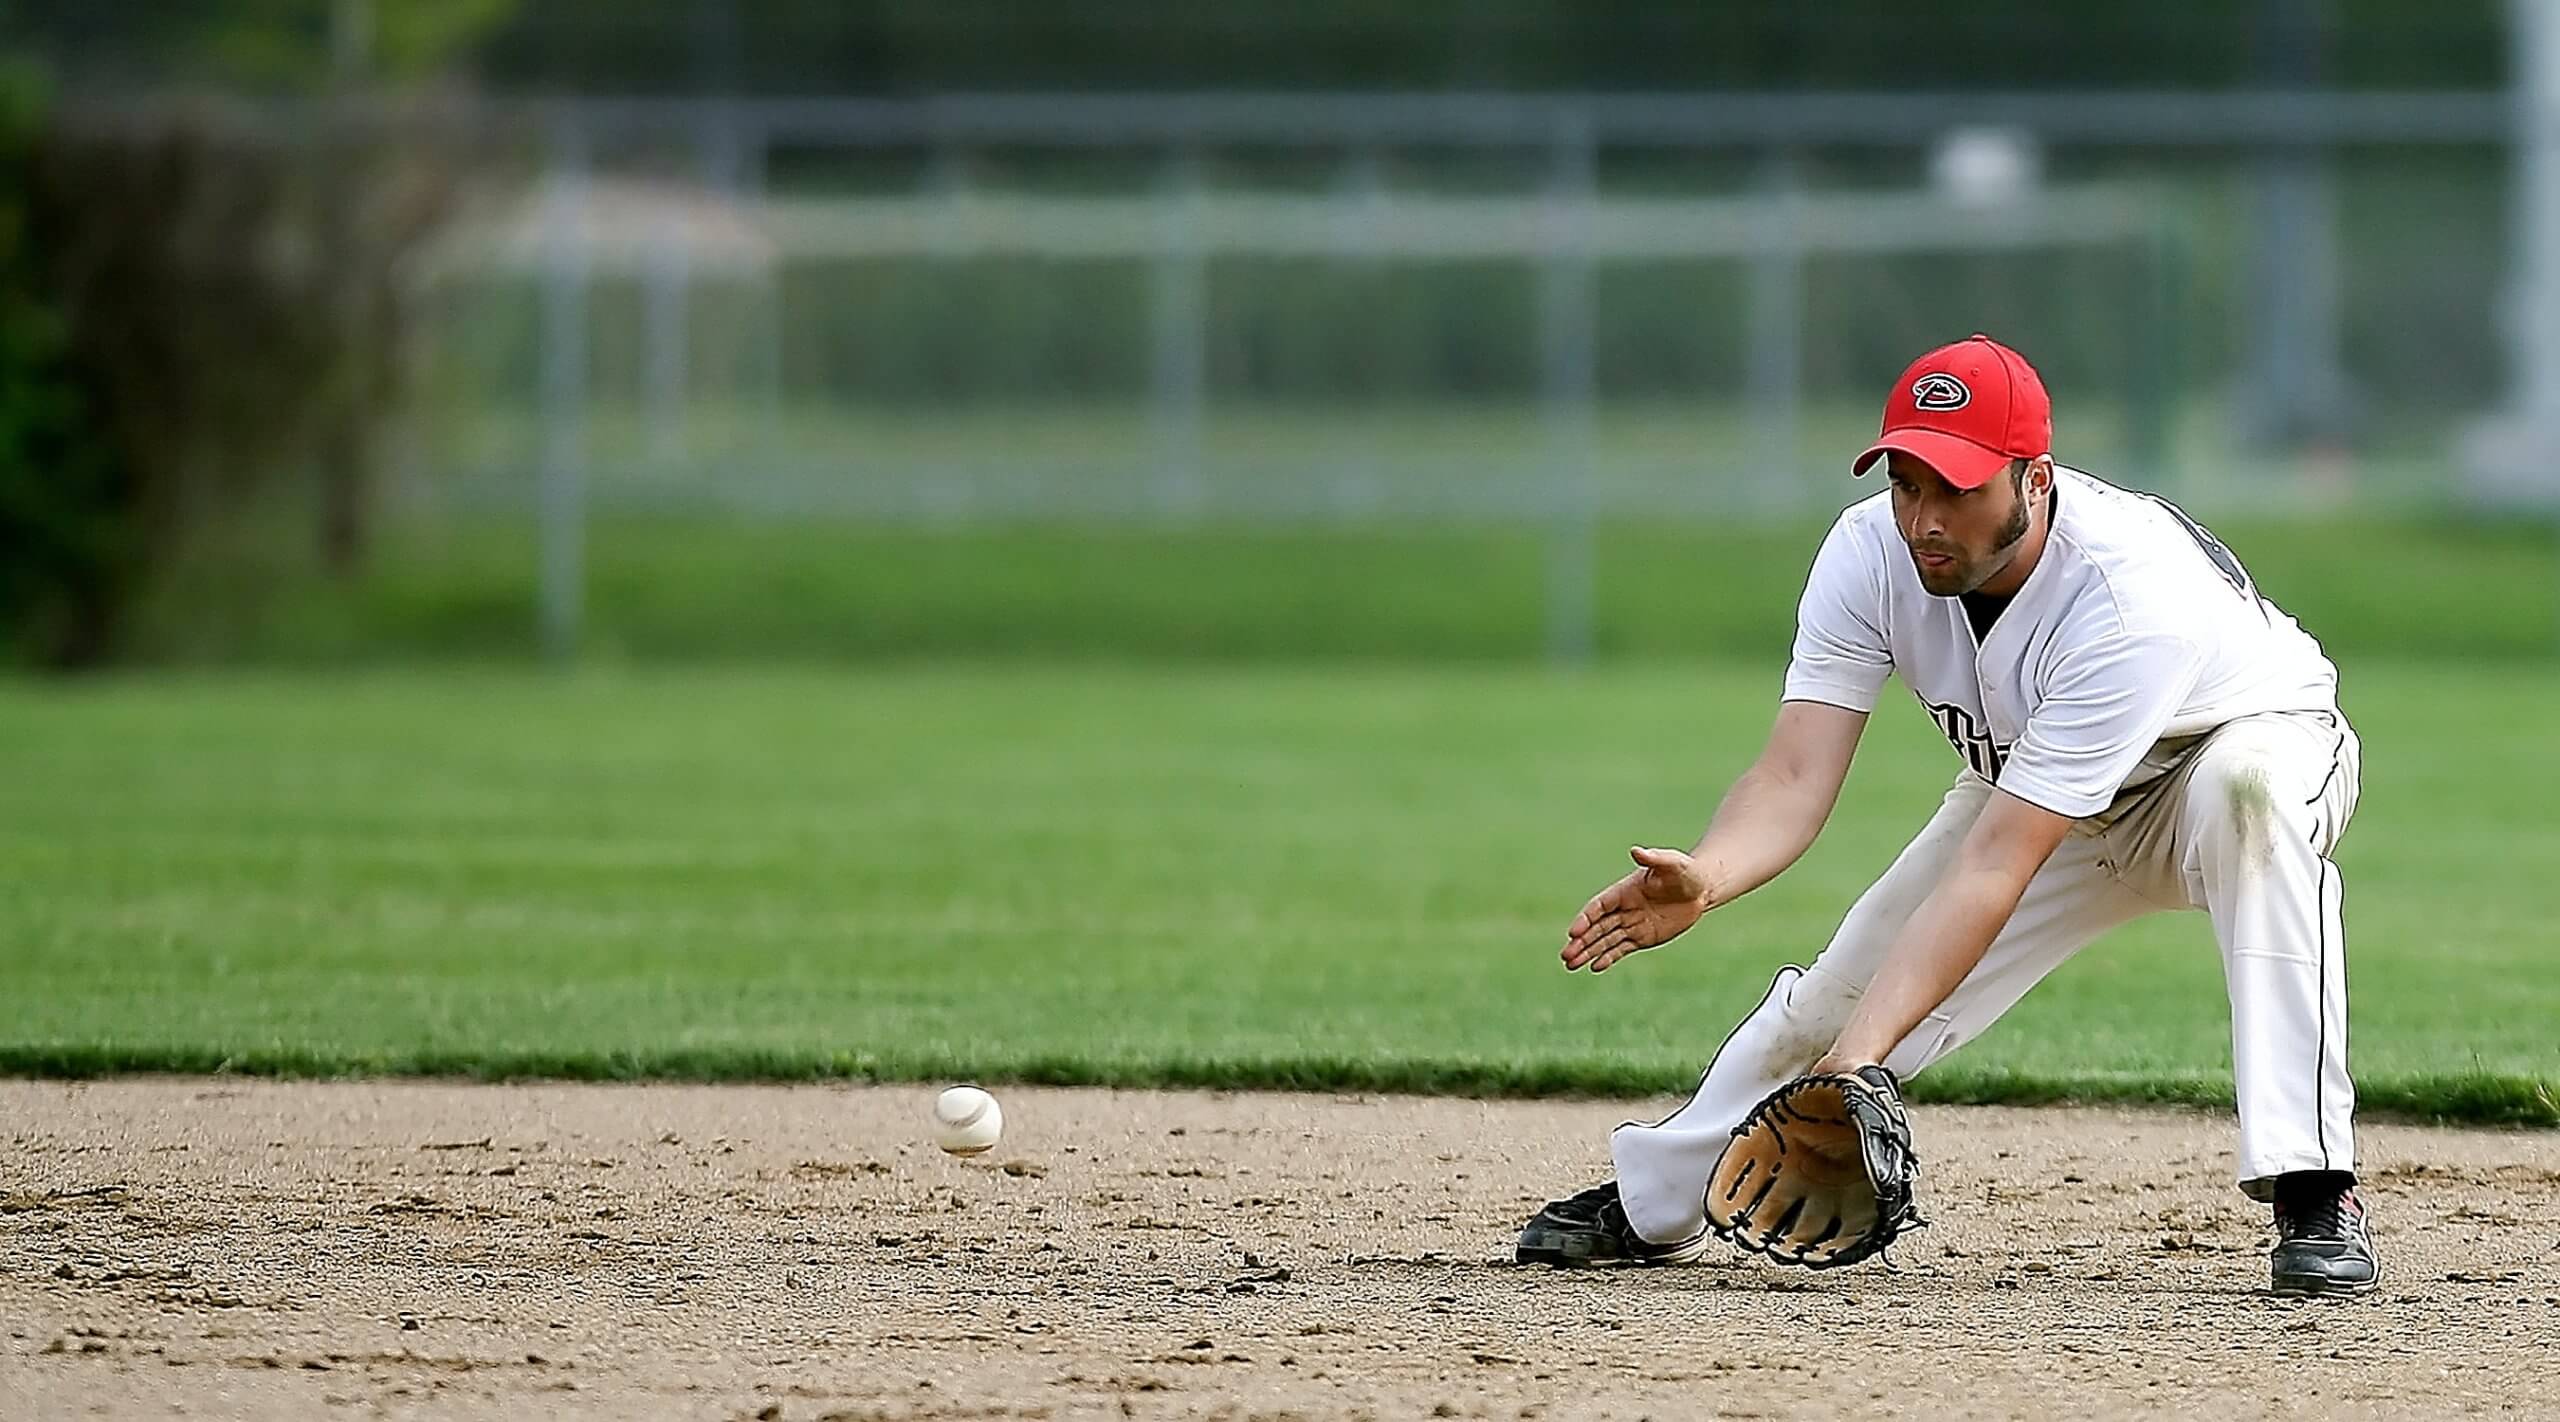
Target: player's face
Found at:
1959, 538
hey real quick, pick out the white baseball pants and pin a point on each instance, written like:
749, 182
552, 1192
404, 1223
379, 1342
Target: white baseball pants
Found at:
2242, 828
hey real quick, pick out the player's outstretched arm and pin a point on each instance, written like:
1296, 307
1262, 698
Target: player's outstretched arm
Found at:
1767, 821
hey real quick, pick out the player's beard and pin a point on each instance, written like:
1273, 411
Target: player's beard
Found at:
2012, 533
1968, 574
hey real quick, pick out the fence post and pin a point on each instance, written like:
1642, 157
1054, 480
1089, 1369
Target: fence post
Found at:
1180, 322
667, 296
1360, 195
735, 147
2295, 389
2534, 323
1568, 389
562, 498
2151, 401
1774, 377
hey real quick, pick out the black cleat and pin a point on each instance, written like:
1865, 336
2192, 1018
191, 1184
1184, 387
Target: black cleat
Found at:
1592, 1228
2323, 1245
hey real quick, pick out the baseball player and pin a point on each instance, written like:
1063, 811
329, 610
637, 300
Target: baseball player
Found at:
2141, 730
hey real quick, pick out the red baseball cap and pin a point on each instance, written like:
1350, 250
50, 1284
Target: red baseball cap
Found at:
1966, 410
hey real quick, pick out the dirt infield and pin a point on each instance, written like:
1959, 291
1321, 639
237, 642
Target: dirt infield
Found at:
255, 1249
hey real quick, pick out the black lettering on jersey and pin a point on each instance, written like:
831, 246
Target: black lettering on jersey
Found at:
2214, 548
1970, 740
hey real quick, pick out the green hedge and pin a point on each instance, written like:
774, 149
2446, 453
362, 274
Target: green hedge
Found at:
714, 590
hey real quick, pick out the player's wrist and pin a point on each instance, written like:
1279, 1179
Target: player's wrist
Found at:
1843, 1063
1707, 879
1860, 1043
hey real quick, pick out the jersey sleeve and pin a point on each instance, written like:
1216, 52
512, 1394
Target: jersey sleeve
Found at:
2104, 706
1841, 657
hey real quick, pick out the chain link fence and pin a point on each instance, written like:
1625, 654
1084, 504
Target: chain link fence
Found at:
1456, 310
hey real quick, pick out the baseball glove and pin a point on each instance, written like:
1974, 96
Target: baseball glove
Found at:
1820, 1173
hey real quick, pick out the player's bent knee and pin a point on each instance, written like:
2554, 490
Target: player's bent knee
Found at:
1817, 1006
2236, 808
1791, 1029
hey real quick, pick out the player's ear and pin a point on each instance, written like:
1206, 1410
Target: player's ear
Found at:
2040, 474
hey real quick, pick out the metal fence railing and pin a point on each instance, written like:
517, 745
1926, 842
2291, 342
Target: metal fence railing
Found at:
1450, 307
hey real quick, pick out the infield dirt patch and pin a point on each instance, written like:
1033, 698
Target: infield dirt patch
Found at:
240, 1248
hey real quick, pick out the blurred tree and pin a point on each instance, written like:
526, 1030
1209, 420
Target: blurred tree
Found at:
61, 544
296, 47
316, 44
198, 308
264, 46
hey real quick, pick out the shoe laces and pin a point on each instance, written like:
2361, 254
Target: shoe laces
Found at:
2322, 1217
1604, 1193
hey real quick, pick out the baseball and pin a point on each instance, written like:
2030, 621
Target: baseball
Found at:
966, 1120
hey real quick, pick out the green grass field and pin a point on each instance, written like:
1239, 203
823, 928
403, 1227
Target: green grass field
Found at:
1346, 877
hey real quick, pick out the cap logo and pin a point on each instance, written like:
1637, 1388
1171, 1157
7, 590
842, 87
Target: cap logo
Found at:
1940, 392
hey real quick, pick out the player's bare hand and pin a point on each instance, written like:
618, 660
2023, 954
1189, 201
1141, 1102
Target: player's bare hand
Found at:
1651, 906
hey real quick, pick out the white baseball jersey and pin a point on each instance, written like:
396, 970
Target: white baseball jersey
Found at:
2136, 632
